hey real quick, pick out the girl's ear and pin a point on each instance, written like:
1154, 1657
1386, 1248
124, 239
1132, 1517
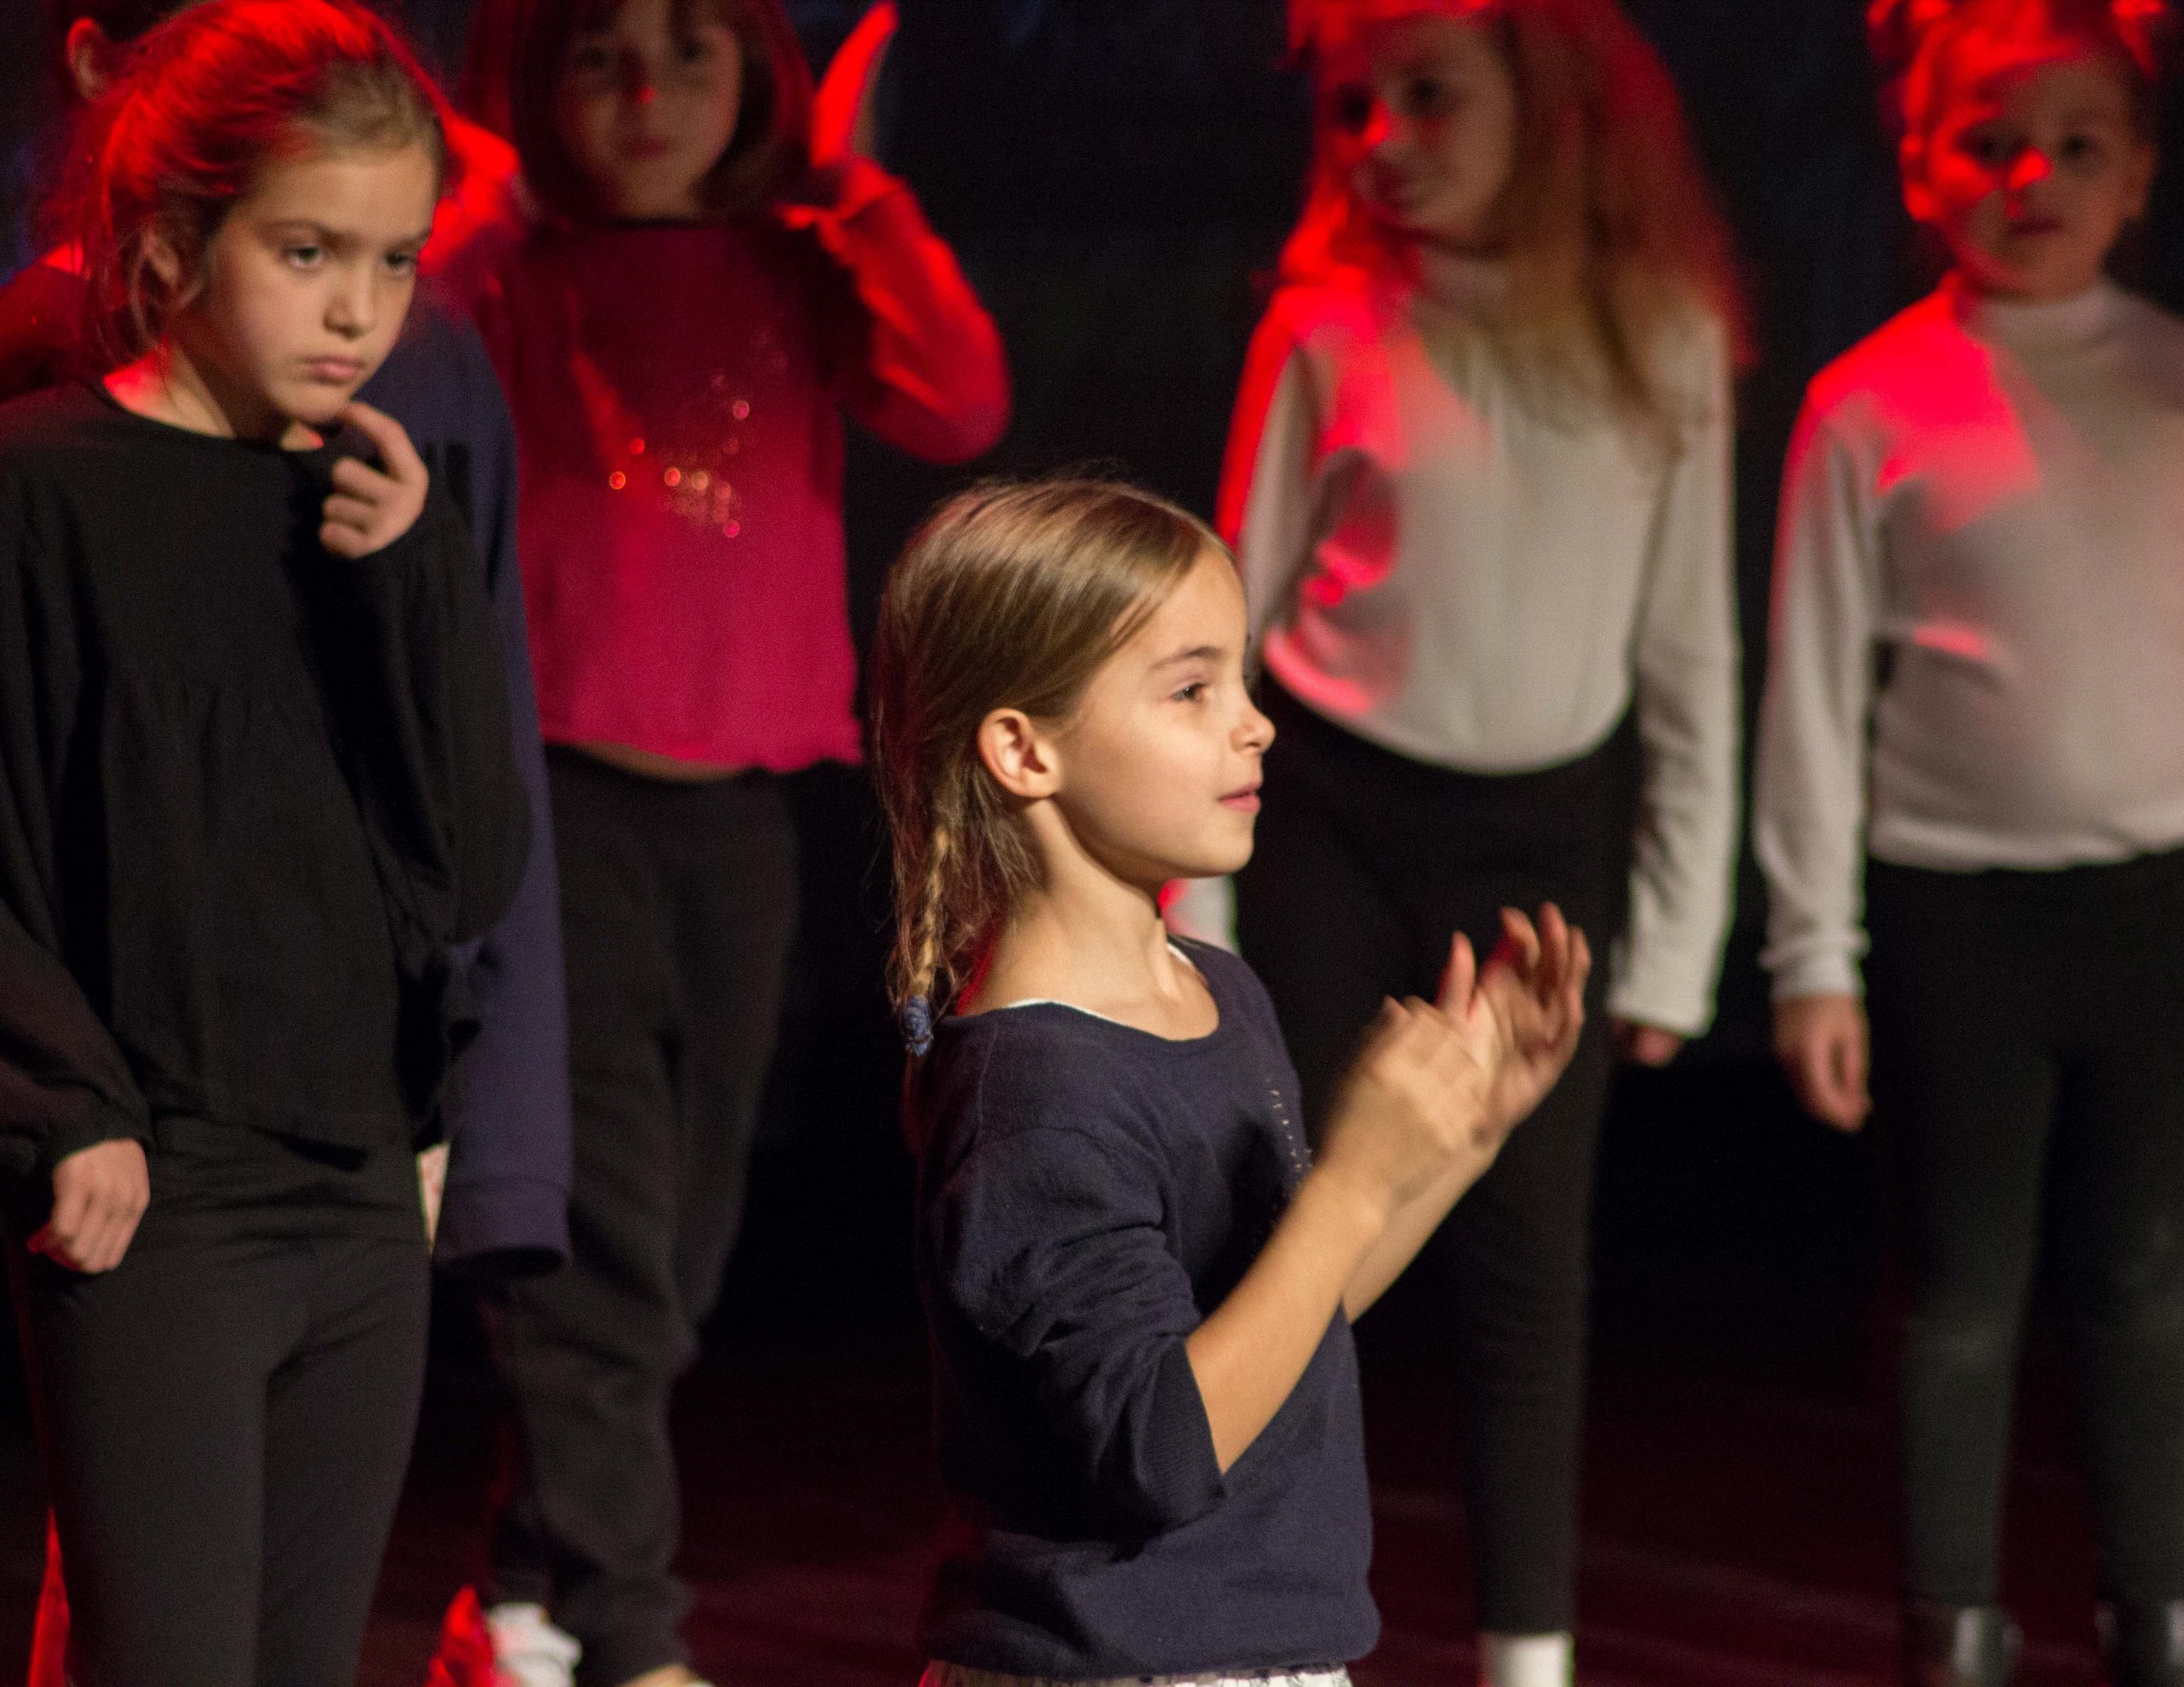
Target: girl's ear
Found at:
1019, 756
163, 258
1911, 162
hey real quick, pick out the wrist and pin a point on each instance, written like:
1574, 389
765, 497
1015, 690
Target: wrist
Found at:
1352, 1210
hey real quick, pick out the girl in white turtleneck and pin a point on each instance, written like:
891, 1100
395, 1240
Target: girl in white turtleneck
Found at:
1479, 488
1970, 797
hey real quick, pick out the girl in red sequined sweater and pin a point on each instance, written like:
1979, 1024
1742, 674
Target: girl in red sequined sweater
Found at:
679, 337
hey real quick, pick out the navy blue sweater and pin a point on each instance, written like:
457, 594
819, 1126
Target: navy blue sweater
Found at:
1088, 1193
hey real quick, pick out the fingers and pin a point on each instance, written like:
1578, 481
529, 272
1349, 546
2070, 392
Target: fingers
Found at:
1460, 978
371, 508
402, 463
99, 1193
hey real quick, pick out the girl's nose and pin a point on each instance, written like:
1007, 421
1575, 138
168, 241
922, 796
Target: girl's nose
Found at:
2030, 168
351, 309
1379, 127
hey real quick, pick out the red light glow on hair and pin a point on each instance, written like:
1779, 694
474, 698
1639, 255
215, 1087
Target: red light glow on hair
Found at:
202, 104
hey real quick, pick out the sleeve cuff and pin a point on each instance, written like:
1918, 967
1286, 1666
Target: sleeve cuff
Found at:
1823, 975
502, 1228
1644, 1002
1181, 1475
101, 1123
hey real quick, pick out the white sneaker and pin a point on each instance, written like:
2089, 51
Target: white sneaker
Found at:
528, 1650
1526, 1660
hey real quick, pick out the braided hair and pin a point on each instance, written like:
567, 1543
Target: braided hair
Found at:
1012, 596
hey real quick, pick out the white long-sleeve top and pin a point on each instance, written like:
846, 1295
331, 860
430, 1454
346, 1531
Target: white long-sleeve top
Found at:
1984, 503
1436, 563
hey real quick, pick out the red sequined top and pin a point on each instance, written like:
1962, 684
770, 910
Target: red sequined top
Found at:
678, 391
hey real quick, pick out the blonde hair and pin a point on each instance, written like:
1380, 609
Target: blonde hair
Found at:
1012, 596
1915, 42
1615, 246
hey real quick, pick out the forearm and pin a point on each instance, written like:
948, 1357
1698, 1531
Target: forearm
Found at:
1249, 1354
1399, 1242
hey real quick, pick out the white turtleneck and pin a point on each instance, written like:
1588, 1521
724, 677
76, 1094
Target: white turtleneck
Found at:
1438, 563
1980, 575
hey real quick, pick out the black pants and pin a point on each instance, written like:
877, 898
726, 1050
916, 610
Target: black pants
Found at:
1368, 863
677, 906
226, 1418
2029, 1060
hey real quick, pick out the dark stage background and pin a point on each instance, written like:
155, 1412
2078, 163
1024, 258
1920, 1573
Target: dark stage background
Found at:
1118, 176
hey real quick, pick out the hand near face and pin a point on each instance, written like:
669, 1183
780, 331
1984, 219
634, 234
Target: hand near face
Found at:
371, 508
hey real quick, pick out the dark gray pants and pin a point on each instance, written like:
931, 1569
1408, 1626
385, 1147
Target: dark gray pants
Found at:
1367, 866
2029, 1061
225, 1418
677, 907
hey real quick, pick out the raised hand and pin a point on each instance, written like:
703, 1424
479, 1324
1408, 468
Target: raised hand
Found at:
371, 508
1533, 987
99, 1193
1415, 1103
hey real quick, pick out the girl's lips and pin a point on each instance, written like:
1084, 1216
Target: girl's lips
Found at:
335, 369
646, 146
1245, 801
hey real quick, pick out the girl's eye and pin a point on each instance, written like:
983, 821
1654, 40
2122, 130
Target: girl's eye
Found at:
2079, 148
1429, 96
1984, 146
303, 257
401, 263
1350, 110
694, 50
1191, 692
590, 62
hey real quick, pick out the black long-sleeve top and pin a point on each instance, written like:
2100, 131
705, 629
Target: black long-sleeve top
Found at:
1088, 1194
250, 791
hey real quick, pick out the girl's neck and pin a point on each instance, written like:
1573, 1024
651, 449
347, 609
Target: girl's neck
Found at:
167, 385
1103, 948
2031, 322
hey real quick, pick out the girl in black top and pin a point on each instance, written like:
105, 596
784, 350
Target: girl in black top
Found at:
255, 780
1138, 1284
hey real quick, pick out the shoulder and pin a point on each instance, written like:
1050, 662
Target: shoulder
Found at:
44, 435
439, 381
1908, 350
2153, 332
996, 1076
1330, 313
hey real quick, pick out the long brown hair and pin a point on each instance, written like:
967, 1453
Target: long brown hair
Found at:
1012, 596
1614, 239
768, 154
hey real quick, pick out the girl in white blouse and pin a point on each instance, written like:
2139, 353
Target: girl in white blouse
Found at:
1971, 799
1480, 486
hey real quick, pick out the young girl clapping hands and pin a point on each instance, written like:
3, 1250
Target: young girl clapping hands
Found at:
1139, 1279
